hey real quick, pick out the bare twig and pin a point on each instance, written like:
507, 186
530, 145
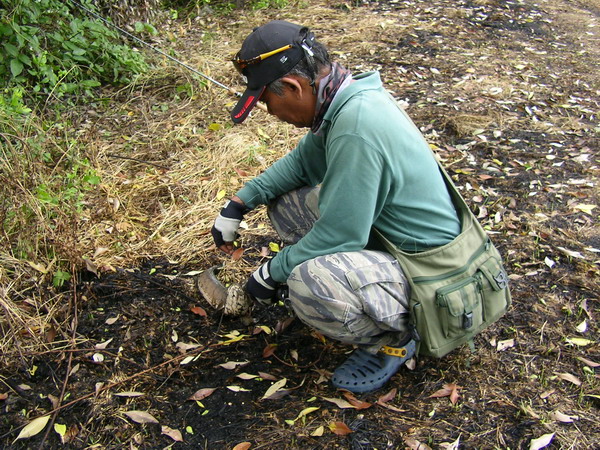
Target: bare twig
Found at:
74, 324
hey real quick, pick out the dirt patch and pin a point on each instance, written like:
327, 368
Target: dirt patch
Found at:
507, 94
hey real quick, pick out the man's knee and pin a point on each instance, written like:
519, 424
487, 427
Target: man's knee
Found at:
351, 294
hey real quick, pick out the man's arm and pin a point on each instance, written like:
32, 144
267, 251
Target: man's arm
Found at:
352, 194
303, 166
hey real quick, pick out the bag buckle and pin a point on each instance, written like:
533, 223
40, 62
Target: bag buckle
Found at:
467, 320
501, 279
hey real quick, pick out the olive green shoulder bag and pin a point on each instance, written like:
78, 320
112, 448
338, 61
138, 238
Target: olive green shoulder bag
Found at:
457, 289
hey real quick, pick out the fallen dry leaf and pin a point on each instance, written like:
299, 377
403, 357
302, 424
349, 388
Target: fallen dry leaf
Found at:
339, 402
69, 435
449, 390
267, 376
414, 444
541, 442
103, 345
246, 376
240, 172
183, 347
274, 388
391, 395
235, 388
283, 324
560, 417
242, 446
588, 362
33, 428
269, 350
384, 399
198, 310
339, 428
582, 327
261, 329
54, 400
306, 412
503, 345
51, 334
141, 417
128, 394
547, 394
454, 395
451, 445
581, 342
230, 365
585, 208
202, 393
358, 404
571, 378
571, 253
172, 433
319, 431
237, 254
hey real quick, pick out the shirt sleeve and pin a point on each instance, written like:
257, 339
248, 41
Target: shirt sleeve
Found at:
352, 195
303, 166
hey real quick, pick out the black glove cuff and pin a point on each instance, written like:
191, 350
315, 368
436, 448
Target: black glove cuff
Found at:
234, 210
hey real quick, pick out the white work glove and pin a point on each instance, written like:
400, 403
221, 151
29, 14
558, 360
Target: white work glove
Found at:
224, 230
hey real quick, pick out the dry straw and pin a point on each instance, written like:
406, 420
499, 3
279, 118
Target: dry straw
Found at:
167, 157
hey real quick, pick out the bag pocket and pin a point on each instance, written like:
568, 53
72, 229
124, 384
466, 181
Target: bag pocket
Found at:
459, 307
494, 282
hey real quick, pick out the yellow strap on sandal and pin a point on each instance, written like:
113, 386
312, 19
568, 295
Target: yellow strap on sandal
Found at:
393, 351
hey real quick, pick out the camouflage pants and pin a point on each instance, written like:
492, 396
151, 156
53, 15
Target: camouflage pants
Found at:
358, 298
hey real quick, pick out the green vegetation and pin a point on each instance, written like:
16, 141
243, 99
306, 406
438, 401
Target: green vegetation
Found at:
52, 56
50, 50
225, 5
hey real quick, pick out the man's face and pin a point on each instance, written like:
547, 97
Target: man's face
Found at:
295, 106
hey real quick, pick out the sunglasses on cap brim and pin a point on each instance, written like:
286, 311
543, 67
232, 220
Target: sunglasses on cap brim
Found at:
241, 64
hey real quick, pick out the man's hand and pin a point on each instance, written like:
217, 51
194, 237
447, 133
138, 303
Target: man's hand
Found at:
261, 286
227, 223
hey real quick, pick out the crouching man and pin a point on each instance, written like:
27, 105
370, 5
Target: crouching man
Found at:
361, 167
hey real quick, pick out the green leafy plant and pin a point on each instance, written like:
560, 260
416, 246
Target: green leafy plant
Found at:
50, 50
60, 277
263, 4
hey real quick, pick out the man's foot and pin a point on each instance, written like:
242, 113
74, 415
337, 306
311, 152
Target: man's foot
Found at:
363, 372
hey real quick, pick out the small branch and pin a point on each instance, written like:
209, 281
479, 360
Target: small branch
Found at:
69, 363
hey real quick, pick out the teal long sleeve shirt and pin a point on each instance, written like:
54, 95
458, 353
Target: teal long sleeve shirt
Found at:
374, 169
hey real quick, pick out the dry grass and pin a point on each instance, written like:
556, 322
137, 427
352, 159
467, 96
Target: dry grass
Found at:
167, 156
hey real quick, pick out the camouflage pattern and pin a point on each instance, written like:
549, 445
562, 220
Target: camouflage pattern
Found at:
293, 214
358, 298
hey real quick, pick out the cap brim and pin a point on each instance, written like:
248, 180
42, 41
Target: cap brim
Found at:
246, 103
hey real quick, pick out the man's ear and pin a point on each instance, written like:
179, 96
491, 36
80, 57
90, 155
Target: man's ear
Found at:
294, 84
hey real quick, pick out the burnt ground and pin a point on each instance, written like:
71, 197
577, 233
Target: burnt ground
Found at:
507, 94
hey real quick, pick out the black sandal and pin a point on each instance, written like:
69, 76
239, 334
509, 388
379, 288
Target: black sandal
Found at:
364, 372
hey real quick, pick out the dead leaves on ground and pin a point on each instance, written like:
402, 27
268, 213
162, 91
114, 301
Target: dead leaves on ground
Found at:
33, 428
449, 390
202, 394
141, 417
339, 428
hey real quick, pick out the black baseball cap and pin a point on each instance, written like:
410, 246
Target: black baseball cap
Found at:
268, 53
